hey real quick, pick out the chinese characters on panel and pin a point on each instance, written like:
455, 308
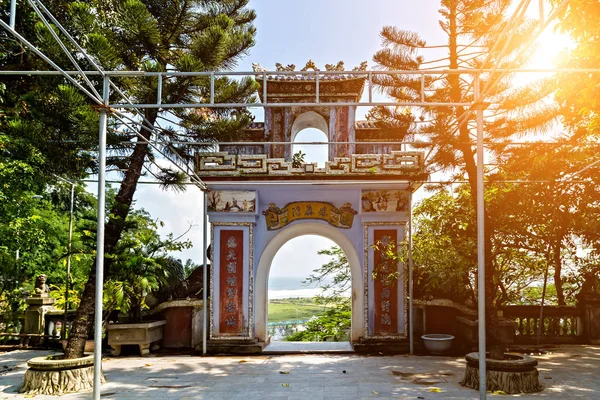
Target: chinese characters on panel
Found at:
231, 282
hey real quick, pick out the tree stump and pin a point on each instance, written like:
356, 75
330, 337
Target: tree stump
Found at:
55, 376
517, 373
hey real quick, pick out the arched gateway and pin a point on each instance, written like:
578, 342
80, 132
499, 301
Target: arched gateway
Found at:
259, 200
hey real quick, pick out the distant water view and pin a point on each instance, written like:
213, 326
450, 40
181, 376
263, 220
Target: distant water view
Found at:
290, 286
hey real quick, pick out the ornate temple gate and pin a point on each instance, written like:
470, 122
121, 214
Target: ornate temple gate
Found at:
259, 200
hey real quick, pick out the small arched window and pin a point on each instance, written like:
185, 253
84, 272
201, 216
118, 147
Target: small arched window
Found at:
311, 127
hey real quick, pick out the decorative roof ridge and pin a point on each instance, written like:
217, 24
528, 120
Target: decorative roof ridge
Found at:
310, 65
365, 124
256, 125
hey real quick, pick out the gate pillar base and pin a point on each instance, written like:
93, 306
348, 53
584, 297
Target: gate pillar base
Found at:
249, 346
377, 346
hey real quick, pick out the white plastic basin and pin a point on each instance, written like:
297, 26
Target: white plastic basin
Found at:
437, 343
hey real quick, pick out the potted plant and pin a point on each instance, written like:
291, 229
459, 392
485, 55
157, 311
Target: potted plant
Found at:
141, 265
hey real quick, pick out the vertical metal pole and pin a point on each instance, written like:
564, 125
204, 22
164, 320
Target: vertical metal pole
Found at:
264, 88
480, 242
411, 318
370, 87
13, 14
541, 327
212, 88
63, 331
100, 242
159, 89
204, 272
317, 87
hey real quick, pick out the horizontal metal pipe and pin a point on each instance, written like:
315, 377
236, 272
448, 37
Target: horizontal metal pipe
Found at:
310, 73
237, 183
312, 104
288, 143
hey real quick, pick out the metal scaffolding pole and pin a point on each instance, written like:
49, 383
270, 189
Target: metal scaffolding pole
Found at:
480, 242
411, 317
204, 271
13, 13
100, 242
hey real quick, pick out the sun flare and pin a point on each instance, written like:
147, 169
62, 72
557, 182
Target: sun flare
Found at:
551, 50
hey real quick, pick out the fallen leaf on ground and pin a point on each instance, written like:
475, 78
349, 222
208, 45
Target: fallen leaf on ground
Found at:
242, 361
285, 384
435, 390
499, 392
284, 372
148, 365
374, 392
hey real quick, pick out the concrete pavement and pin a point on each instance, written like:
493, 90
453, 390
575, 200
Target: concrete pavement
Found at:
568, 372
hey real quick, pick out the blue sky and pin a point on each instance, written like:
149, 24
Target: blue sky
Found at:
327, 31
292, 32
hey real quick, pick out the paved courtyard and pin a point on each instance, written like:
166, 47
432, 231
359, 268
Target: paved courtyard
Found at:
568, 372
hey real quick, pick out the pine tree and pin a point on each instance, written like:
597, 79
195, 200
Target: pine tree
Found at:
150, 35
579, 93
473, 31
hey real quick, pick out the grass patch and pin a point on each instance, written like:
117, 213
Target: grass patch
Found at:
281, 310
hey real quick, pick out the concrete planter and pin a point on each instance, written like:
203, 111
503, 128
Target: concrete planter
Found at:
436, 343
516, 373
53, 375
146, 335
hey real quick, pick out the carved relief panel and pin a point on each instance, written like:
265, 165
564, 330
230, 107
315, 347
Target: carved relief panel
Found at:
385, 283
231, 286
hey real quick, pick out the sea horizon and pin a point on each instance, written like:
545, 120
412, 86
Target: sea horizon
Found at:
282, 287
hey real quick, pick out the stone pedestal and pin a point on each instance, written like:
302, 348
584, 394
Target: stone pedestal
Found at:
145, 335
37, 307
590, 303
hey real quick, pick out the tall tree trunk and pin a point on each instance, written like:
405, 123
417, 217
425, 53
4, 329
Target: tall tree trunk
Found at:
114, 228
557, 263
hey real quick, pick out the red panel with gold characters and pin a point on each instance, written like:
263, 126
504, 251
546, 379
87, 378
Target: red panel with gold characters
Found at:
231, 279
385, 282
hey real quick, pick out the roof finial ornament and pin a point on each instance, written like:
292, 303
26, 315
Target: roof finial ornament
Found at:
335, 67
310, 65
362, 67
289, 67
259, 68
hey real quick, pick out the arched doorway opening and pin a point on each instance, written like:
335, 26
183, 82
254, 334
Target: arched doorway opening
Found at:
295, 313
311, 127
261, 282
313, 153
